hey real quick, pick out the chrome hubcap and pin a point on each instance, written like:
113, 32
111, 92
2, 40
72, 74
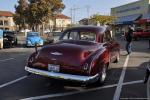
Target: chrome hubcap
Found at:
103, 74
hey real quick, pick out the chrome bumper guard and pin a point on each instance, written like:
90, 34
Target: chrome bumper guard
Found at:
63, 76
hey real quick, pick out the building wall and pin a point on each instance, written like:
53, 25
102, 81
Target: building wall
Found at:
138, 7
62, 22
7, 23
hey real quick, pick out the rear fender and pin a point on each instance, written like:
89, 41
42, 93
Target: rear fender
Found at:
101, 56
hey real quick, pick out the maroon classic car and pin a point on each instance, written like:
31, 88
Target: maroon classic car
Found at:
141, 34
82, 55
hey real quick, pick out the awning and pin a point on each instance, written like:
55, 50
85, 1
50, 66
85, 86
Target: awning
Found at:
145, 18
128, 19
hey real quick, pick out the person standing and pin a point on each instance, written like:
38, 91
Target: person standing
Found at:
129, 37
108, 33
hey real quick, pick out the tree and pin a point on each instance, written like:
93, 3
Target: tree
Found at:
21, 13
40, 11
36, 12
102, 19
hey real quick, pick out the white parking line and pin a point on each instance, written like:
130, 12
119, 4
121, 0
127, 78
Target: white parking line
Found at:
120, 83
80, 91
133, 82
67, 94
7, 59
12, 82
148, 86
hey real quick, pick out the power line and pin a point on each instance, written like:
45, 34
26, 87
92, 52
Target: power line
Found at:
73, 13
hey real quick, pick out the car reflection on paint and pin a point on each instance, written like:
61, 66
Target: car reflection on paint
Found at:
82, 55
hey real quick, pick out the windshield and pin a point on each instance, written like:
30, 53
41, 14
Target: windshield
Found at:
8, 33
79, 35
32, 34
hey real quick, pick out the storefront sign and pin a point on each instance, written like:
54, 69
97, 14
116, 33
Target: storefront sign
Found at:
129, 9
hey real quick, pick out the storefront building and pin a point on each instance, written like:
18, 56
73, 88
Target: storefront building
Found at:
136, 14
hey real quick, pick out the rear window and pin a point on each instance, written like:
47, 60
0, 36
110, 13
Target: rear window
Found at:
87, 35
32, 34
8, 33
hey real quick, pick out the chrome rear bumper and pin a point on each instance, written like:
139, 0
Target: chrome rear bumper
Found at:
63, 76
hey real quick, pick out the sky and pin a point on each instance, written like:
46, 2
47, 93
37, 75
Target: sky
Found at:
94, 7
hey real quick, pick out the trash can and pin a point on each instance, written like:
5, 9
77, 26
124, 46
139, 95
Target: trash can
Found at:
1, 39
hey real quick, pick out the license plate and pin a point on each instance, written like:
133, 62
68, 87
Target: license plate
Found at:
53, 68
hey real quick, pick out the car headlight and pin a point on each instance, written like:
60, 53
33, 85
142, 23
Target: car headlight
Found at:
28, 42
41, 41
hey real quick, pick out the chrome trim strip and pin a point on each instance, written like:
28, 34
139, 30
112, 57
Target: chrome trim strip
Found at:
56, 53
63, 76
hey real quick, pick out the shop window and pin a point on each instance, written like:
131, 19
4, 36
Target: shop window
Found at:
1, 22
6, 28
6, 23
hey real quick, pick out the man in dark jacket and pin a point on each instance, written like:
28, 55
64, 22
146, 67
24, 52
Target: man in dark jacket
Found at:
129, 37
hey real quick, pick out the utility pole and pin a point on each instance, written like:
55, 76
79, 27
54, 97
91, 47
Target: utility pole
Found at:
73, 13
88, 12
71, 16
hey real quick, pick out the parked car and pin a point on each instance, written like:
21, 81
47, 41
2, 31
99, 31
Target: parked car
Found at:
9, 39
82, 55
33, 38
141, 34
52, 37
56, 36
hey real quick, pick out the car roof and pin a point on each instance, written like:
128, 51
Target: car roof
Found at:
100, 29
8, 32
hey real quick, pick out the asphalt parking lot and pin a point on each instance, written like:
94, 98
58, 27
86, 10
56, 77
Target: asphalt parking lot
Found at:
124, 80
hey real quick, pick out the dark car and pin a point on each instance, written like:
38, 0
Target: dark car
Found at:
82, 54
9, 39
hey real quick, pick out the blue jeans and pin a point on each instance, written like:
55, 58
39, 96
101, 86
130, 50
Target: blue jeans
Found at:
128, 47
